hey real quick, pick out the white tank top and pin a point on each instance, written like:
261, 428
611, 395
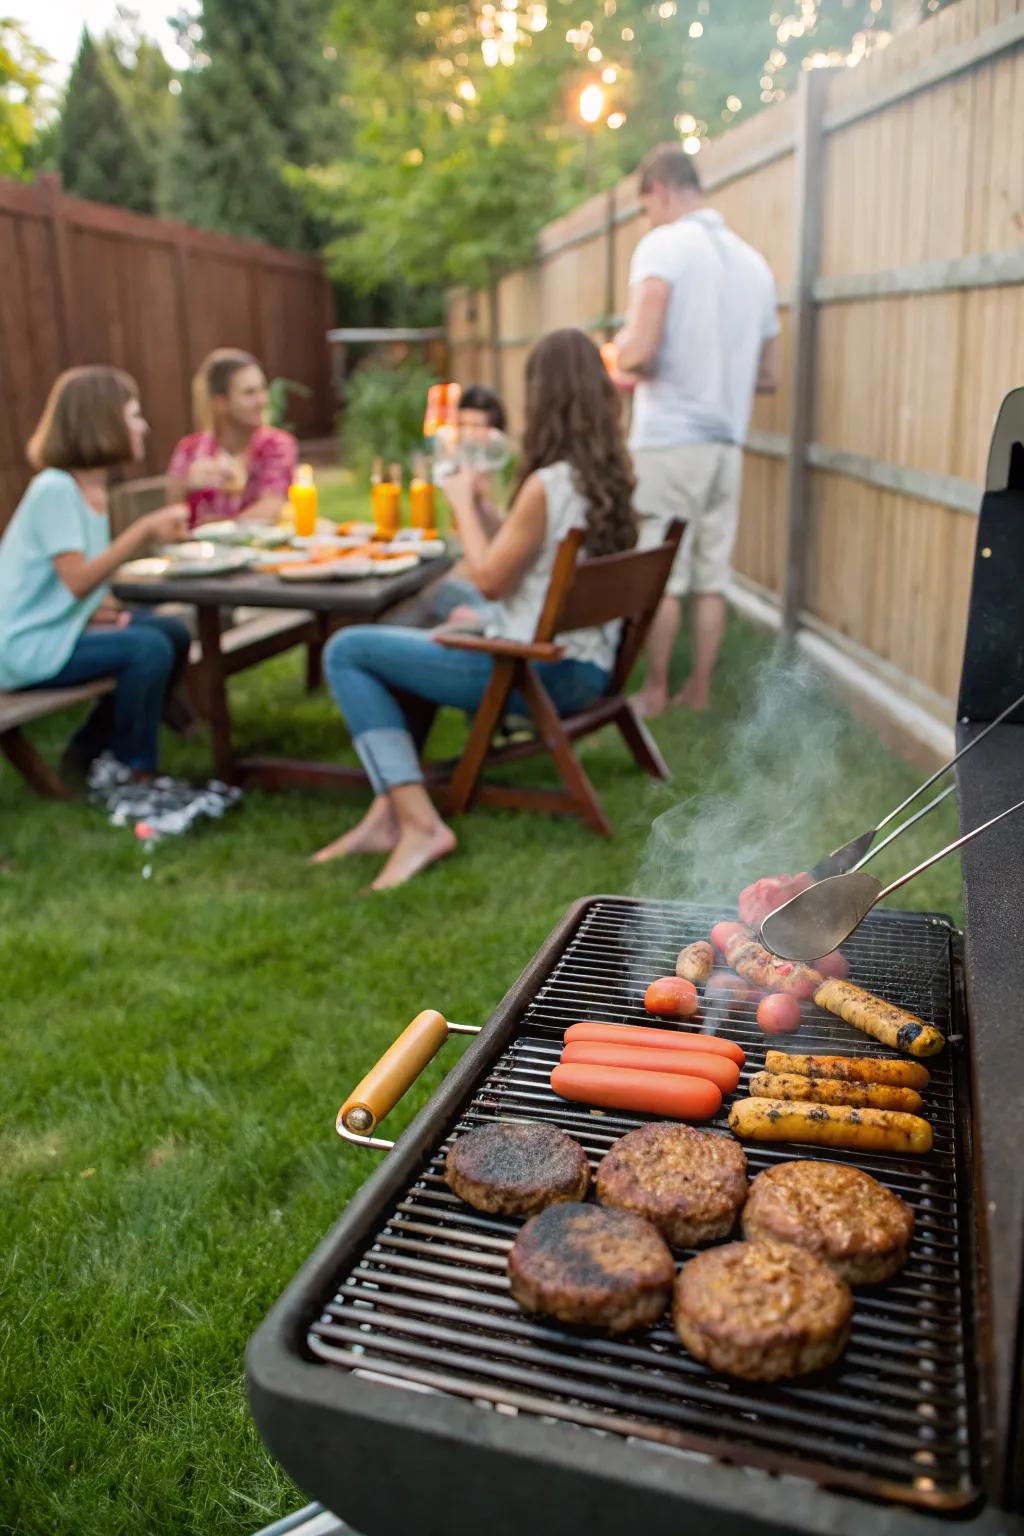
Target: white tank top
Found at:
517, 614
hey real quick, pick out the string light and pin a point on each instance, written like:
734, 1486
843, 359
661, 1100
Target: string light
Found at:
591, 103
667, 9
685, 123
537, 17
691, 144
696, 29
734, 103
627, 34
616, 120
595, 55
490, 51
610, 75
467, 90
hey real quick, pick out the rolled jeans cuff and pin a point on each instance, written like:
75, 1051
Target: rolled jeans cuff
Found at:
389, 756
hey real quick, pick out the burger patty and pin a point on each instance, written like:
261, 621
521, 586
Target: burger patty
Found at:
516, 1168
690, 1183
762, 1311
587, 1264
840, 1213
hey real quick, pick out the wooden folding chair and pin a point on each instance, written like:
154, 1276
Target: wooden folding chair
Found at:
580, 595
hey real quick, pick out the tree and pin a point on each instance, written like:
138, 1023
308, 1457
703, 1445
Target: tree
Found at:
100, 153
260, 95
22, 67
466, 136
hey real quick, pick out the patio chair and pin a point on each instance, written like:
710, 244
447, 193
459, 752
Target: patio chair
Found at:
581, 594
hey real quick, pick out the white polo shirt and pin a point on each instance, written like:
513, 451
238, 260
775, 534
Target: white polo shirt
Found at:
721, 311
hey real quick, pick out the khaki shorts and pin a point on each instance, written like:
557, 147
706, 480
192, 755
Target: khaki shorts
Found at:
701, 483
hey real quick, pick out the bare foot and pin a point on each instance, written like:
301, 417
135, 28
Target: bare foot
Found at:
376, 833
693, 695
415, 849
650, 702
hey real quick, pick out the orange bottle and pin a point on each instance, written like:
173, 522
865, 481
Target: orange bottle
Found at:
421, 497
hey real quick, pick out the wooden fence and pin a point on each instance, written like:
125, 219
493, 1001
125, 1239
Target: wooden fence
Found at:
889, 201
82, 282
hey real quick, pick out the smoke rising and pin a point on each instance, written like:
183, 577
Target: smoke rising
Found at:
772, 802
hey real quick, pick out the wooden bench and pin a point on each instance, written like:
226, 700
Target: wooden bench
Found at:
18, 709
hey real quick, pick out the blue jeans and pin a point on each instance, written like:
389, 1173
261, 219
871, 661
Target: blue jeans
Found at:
371, 668
146, 659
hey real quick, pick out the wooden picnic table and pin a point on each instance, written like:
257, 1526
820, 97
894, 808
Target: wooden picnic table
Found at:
331, 604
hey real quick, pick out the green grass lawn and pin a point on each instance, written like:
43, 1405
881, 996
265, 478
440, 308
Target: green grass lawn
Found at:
175, 1050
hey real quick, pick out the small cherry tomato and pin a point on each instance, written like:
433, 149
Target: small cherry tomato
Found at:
778, 1014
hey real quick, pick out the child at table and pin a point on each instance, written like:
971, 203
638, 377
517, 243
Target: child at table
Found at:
59, 624
575, 473
233, 462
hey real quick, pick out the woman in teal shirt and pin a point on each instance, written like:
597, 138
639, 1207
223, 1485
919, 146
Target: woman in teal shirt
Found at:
59, 624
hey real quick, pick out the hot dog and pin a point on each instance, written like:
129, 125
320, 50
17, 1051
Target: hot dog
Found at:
667, 1039
696, 962
650, 1093
720, 1070
893, 1026
830, 1125
851, 1069
831, 1090
760, 966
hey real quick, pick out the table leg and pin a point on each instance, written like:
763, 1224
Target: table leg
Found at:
315, 652
214, 689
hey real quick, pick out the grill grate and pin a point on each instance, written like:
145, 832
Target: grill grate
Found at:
427, 1307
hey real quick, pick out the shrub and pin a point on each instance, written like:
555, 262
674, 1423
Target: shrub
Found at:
383, 414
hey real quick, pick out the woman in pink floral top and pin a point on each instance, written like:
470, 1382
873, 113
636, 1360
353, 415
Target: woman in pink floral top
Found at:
233, 463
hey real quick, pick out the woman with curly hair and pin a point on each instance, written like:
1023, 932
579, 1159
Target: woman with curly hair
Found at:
575, 473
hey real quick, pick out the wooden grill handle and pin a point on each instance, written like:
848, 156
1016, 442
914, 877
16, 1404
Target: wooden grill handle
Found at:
394, 1074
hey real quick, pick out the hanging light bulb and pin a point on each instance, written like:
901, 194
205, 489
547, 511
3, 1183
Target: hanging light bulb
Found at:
490, 51
616, 120
591, 103
537, 17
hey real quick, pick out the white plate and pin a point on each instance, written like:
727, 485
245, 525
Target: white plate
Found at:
395, 567
333, 570
201, 557
151, 568
264, 559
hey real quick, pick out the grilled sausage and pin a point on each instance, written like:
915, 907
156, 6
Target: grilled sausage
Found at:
764, 969
829, 1125
667, 1039
893, 1026
830, 1090
696, 962
851, 1069
652, 1093
721, 1070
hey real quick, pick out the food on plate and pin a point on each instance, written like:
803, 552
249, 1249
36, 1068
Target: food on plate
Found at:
840, 1213
764, 969
891, 1025
851, 1069
650, 1093
835, 964
516, 1168
762, 1311
830, 1125
715, 1068
671, 997
766, 894
831, 1090
778, 1014
668, 1039
696, 962
690, 1183
591, 1264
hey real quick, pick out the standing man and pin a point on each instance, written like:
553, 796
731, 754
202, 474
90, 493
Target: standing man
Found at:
701, 334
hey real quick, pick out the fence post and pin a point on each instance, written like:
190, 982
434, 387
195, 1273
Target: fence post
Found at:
51, 191
810, 145
609, 265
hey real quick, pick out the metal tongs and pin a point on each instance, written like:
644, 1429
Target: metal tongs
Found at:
817, 920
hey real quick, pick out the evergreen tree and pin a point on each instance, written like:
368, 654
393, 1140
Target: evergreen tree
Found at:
99, 152
260, 96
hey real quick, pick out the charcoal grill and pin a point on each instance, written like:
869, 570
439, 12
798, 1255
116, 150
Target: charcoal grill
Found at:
398, 1383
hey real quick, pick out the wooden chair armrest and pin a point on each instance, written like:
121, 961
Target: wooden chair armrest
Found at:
493, 645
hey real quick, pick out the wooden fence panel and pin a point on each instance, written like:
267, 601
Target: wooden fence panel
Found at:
919, 305
86, 283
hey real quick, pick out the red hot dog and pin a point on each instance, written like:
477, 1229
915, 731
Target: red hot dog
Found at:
720, 1070
649, 1093
661, 1039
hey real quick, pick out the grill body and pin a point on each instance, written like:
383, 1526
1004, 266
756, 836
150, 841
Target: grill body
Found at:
399, 1384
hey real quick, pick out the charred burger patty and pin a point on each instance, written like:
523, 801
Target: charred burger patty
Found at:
516, 1168
762, 1311
690, 1183
840, 1213
587, 1264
